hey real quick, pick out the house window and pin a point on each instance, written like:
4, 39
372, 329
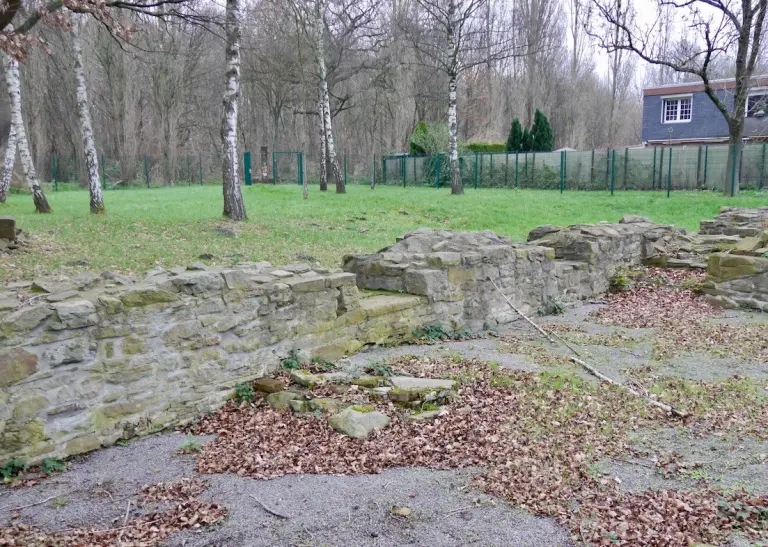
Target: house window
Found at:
676, 110
757, 105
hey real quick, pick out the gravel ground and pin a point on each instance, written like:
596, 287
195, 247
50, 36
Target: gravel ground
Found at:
322, 510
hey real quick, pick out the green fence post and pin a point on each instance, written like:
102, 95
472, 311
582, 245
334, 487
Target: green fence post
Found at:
247, 168
613, 169
55, 169
274, 168
383, 170
402, 169
562, 172
506, 170
439, 168
626, 165
103, 173
300, 162
698, 168
517, 157
733, 172
200, 166
669, 172
565, 170
476, 166
653, 173
414, 170
762, 168
661, 170
345, 170
706, 157
525, 176
608, 164
592, 169
490, 176
533, 170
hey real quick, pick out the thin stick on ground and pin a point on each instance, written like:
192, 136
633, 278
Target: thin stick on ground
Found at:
554, 338
20, 507
125, 522
267, 509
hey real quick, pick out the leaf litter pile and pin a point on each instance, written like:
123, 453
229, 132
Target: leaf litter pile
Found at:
535, 438
171, 507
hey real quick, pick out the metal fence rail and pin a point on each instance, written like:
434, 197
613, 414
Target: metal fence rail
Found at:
658, 168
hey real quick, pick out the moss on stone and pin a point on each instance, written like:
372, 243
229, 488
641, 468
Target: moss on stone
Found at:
364, 408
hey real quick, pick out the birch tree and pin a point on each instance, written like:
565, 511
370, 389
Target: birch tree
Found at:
8, 162
715, 30
454, 35
86, 126
234, 208
13, 82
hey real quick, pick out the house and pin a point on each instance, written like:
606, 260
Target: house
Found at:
684, 114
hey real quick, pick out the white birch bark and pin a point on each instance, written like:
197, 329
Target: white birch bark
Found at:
13, 81
8, 162
325, 100
86, 126
234, 208
323, 147
453, 126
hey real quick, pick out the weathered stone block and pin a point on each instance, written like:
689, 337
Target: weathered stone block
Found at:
145, 295
431, 283
70, 351
340, 279
29, 407
15, 365
111, 304
198, 282
75, 314
305, 284
27, 318
81, 445
7, 228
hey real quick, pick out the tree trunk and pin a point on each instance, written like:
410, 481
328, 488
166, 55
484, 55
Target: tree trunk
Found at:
10, 159
86, 127
733, 165
323, 147
234, 208
456, 185
325, 100
13, 82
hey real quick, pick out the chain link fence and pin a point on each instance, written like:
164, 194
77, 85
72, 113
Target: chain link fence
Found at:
653, 168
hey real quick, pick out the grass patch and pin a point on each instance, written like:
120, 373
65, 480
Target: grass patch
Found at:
174, 226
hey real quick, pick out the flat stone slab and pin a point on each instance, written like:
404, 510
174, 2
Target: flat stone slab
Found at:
359, 425
409, 383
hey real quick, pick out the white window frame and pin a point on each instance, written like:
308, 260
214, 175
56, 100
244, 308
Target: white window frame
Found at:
752, 92
666, 98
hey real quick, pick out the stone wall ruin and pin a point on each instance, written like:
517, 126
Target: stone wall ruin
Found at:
87, 361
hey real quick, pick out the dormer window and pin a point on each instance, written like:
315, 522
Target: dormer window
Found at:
676, 109
757, 104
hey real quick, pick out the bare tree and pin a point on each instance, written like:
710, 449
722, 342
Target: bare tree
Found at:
8, 162
234, 208
715, 29
86, 126
12, 80
454, 36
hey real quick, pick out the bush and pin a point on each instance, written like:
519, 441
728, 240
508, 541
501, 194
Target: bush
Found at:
486, 147
515, 139
429, 138
541, 135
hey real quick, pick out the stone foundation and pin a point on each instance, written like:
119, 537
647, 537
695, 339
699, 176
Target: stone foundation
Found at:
87, 361
97, 360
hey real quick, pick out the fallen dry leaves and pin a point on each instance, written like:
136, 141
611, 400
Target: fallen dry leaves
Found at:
535, 436
658, 298
149, 529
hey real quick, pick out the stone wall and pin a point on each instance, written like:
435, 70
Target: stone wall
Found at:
87, 361
454, 270
736, 221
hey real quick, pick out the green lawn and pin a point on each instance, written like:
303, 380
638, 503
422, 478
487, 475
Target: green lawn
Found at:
173, 226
